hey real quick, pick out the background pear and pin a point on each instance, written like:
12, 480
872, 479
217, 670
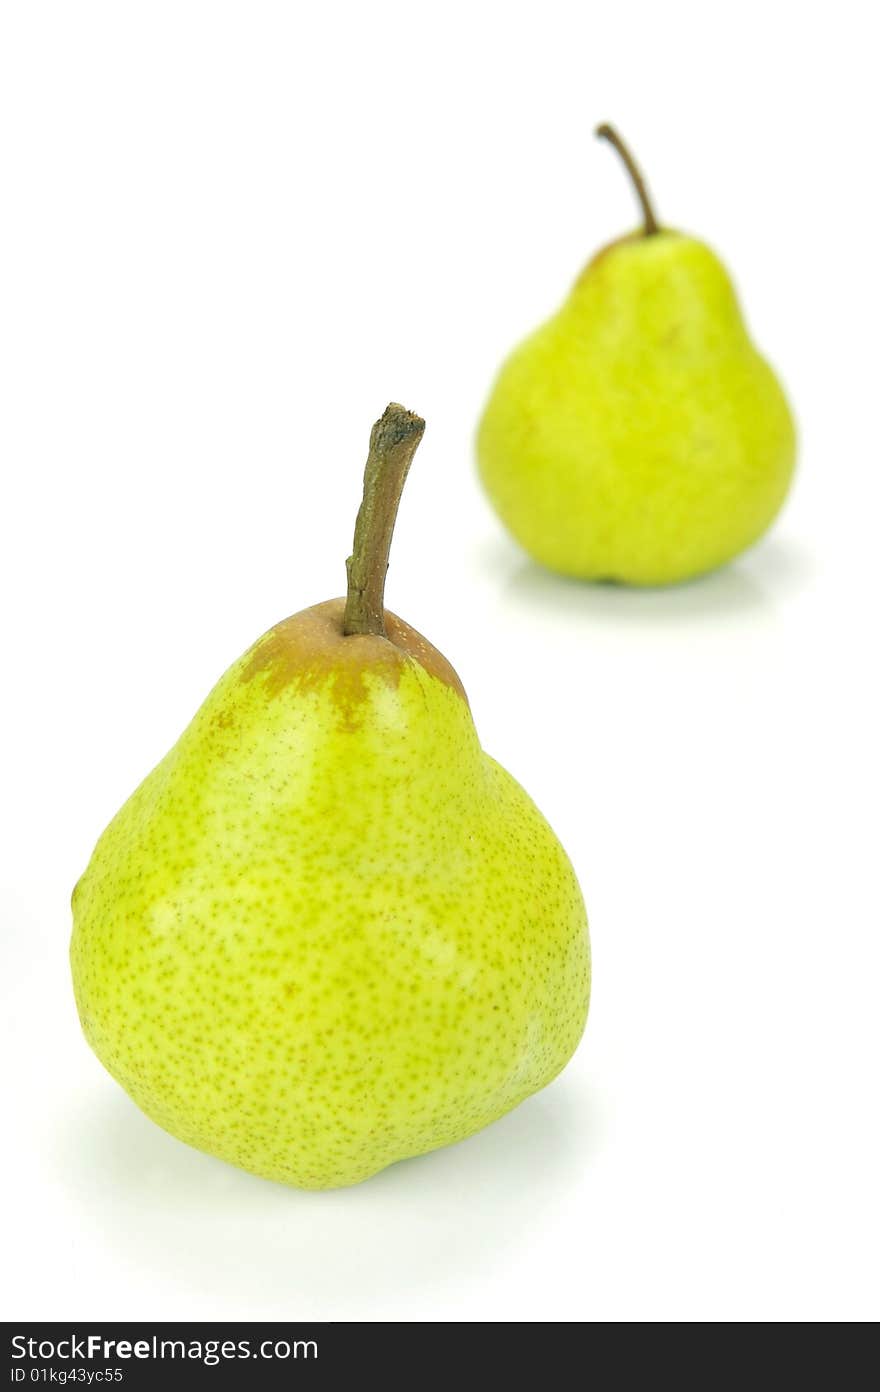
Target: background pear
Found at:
328, 931
639, 436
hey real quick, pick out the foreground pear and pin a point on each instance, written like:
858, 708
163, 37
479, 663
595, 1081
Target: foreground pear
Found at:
639, 436
328, 931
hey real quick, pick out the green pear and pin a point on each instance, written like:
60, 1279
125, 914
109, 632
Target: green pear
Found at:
639, 436
328, 931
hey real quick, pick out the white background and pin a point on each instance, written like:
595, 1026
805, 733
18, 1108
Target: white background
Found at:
231, 233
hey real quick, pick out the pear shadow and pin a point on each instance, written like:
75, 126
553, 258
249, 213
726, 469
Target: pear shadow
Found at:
257, 1249
751, 586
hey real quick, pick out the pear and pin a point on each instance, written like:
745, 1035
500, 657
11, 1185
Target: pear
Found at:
639, 436
329, 932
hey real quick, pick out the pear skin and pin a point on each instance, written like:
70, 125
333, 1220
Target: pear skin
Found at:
639, 436
328, 931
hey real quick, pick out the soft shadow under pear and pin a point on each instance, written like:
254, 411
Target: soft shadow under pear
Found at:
749, 587
423, 1221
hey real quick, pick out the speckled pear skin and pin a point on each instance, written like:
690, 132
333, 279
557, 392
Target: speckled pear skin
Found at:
329, 932
638, 436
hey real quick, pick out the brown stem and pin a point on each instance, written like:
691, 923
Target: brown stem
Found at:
606, 132
393, 441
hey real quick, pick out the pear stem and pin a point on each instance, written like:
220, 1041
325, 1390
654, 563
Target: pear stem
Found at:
651, 225
394, 440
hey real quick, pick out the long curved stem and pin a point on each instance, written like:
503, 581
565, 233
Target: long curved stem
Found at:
394, 440
651, 225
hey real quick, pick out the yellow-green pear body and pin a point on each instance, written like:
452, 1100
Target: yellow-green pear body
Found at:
639, 436
329, 932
